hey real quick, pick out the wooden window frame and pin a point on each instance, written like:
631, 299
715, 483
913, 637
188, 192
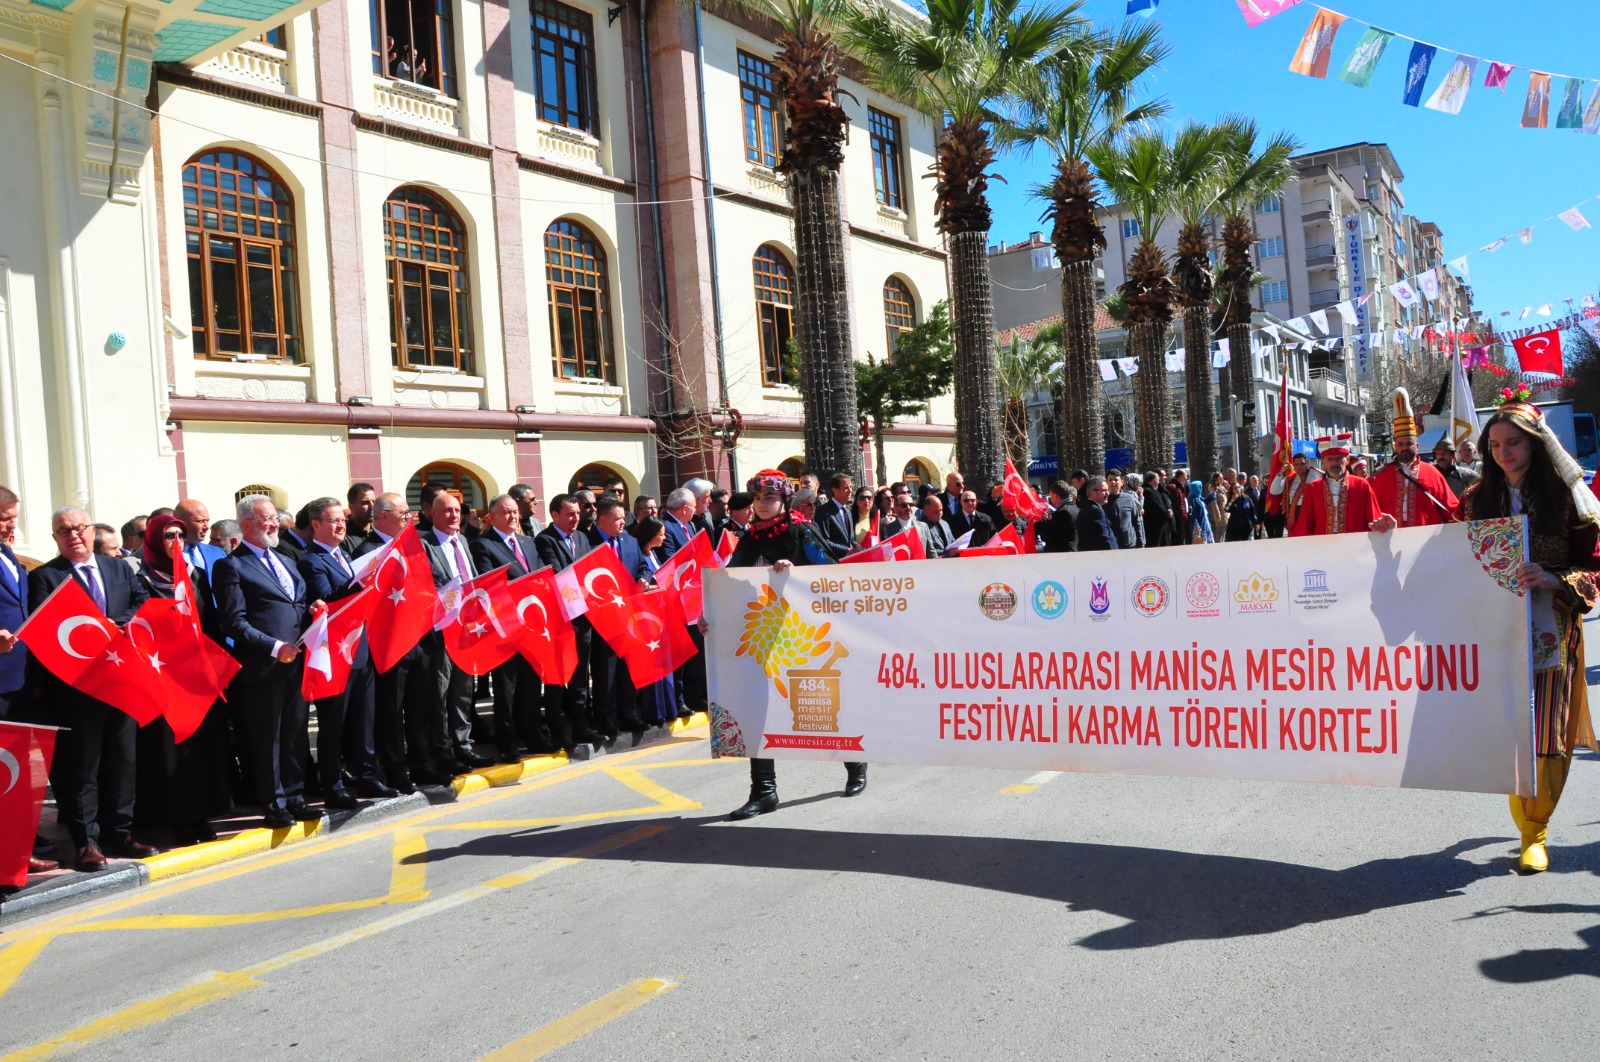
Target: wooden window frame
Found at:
449, 475
563, 37
214, 226
438, 230
884, 133
577, 281
440, 38
578, 482
774, 283
899, 311
762, 111
276, 37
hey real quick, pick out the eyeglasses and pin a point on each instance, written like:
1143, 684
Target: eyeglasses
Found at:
175, 533
77, 530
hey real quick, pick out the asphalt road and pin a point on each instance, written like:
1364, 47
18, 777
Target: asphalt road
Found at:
945, 914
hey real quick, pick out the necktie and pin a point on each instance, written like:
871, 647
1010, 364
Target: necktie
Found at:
91, 577
279, 573
516, 548
616, 546
195, 558
344, 565
463, 566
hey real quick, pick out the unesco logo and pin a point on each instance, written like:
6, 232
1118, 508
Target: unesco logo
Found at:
1049, 600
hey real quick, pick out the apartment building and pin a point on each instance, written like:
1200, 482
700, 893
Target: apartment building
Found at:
473, 242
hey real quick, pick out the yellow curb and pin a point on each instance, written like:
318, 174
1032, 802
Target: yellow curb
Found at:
246, 842
697, 719
506, 773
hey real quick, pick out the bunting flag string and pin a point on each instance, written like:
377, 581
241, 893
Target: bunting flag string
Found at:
1315, 52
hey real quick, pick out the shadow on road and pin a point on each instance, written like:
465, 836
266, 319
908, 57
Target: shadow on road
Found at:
1166, 896
1546, 964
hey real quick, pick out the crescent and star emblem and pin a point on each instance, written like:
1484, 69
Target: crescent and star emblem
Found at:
347, 646
544, 617
151, 653
488, 608
64, 634
589, 581
398, 594
13, 766
639, 621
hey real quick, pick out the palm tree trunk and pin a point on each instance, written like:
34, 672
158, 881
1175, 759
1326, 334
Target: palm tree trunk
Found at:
979, 451
1152, 447
1082, 395
883, 457
1017, 433
1200, 392
1242, 376
822, 324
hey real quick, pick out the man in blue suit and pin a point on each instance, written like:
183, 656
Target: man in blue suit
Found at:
262, 604
344, 722
616, 706
677, 516
13, 610
197, 548
835, 517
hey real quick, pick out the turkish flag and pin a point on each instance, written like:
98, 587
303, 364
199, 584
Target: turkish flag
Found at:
725, 547
596, 578
648, 631
681, 575
1540, 352
1017, 496
485, 632
104, 665
872, 535
1005, 544
25, 755
548, 641
907, 545
331, 643
402, 611
193, 669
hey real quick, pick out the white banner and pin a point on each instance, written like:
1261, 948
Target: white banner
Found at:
1392, 660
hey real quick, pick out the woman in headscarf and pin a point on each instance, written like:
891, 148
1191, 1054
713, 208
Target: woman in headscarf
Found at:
777, 538
1199, 515
1527, 472
182, 786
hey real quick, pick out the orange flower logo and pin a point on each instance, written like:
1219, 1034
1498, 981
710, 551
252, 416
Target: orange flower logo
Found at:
778, 639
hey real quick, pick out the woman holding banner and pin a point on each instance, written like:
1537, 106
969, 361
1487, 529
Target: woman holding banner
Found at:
779, 539
1527, 472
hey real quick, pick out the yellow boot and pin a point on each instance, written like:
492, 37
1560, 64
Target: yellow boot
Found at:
1534, 857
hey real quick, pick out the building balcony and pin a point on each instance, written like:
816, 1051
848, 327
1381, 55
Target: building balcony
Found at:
252, 63
1329, 388
1321, 300
1322, 254
417, 105
1316, 210
569, 145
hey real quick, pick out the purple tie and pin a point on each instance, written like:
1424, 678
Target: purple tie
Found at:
516, 548
463, 566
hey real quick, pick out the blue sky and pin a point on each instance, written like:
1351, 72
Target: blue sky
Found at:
1478, 175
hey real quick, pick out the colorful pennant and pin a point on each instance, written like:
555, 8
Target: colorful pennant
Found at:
1316, 47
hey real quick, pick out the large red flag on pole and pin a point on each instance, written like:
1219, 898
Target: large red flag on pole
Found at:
194, 670
597, 578
907, 545
1019, 498
1284, 450
73, 640
484, 632
331, 643
548, 643
681, 574
25, 755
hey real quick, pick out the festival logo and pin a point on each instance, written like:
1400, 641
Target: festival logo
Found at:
1099, 598
997, 601
1203, 591
785, 645
1315, 595
1049, 600
1151, 596
1255, 593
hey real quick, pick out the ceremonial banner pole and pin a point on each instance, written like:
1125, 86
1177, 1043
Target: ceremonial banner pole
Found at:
1400, 659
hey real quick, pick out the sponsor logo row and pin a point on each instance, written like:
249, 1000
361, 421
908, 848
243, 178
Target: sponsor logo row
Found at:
1204, 596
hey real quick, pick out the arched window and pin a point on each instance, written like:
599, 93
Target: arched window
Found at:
899, 311
248, 489
580, 303
793, 468
593, 477
238, 221
430, 296
775, 311
917, 472
461, 482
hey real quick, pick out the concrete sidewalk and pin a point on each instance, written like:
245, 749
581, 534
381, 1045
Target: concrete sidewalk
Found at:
56, 889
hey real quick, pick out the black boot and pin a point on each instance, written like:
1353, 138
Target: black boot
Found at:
855, 778
763, 791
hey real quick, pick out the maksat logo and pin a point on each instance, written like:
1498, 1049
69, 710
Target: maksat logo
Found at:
1315, 595
1255, 593
1099, 599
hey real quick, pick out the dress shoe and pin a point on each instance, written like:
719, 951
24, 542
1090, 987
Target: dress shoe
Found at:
128, 848
341, 801
763, 798
855, 779
277, 818
303, 812
509, 758
372, 789
473, 760
193, 833
402, 783
91, 859
429, 776
40, 866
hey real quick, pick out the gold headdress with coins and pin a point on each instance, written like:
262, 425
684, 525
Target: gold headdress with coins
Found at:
1405, 422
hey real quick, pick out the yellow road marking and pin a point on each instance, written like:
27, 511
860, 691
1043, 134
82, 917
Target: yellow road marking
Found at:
1032, 782
583, 1021
1019, 788
216, 986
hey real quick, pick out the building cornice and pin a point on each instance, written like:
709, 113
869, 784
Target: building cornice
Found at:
401, 131
183, 77
577, 176
324, 414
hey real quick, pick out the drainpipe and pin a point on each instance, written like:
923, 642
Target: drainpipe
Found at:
711, 231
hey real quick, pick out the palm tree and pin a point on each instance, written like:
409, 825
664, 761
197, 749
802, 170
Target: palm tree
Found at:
1026, 367
1147, 175
1076, 100
805, 73
1192, 273
1253, 173
960, 63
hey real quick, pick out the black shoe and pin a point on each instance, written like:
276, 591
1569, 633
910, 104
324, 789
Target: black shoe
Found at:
763, 798
587, 737
401, 782
341, 801
372, 789
855, 778
303, 812
473, 760
509, 758
429, 776
277, 818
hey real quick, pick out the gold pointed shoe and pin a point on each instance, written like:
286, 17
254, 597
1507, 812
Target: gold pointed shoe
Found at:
1534, 858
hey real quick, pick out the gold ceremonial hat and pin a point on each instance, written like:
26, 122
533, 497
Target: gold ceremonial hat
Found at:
1405, 422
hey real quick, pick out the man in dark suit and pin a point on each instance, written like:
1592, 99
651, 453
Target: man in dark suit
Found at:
700, 489
262, 604
407, 694
967, 517
361, 499
737, 521
528, 509
1178, 491
518, 696
93, 773
616, 705
1157, 512
567, 707
936, 537
1059, 532
677, 516
293, 535
1094, 528
835, 518
448, 548
344, 722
